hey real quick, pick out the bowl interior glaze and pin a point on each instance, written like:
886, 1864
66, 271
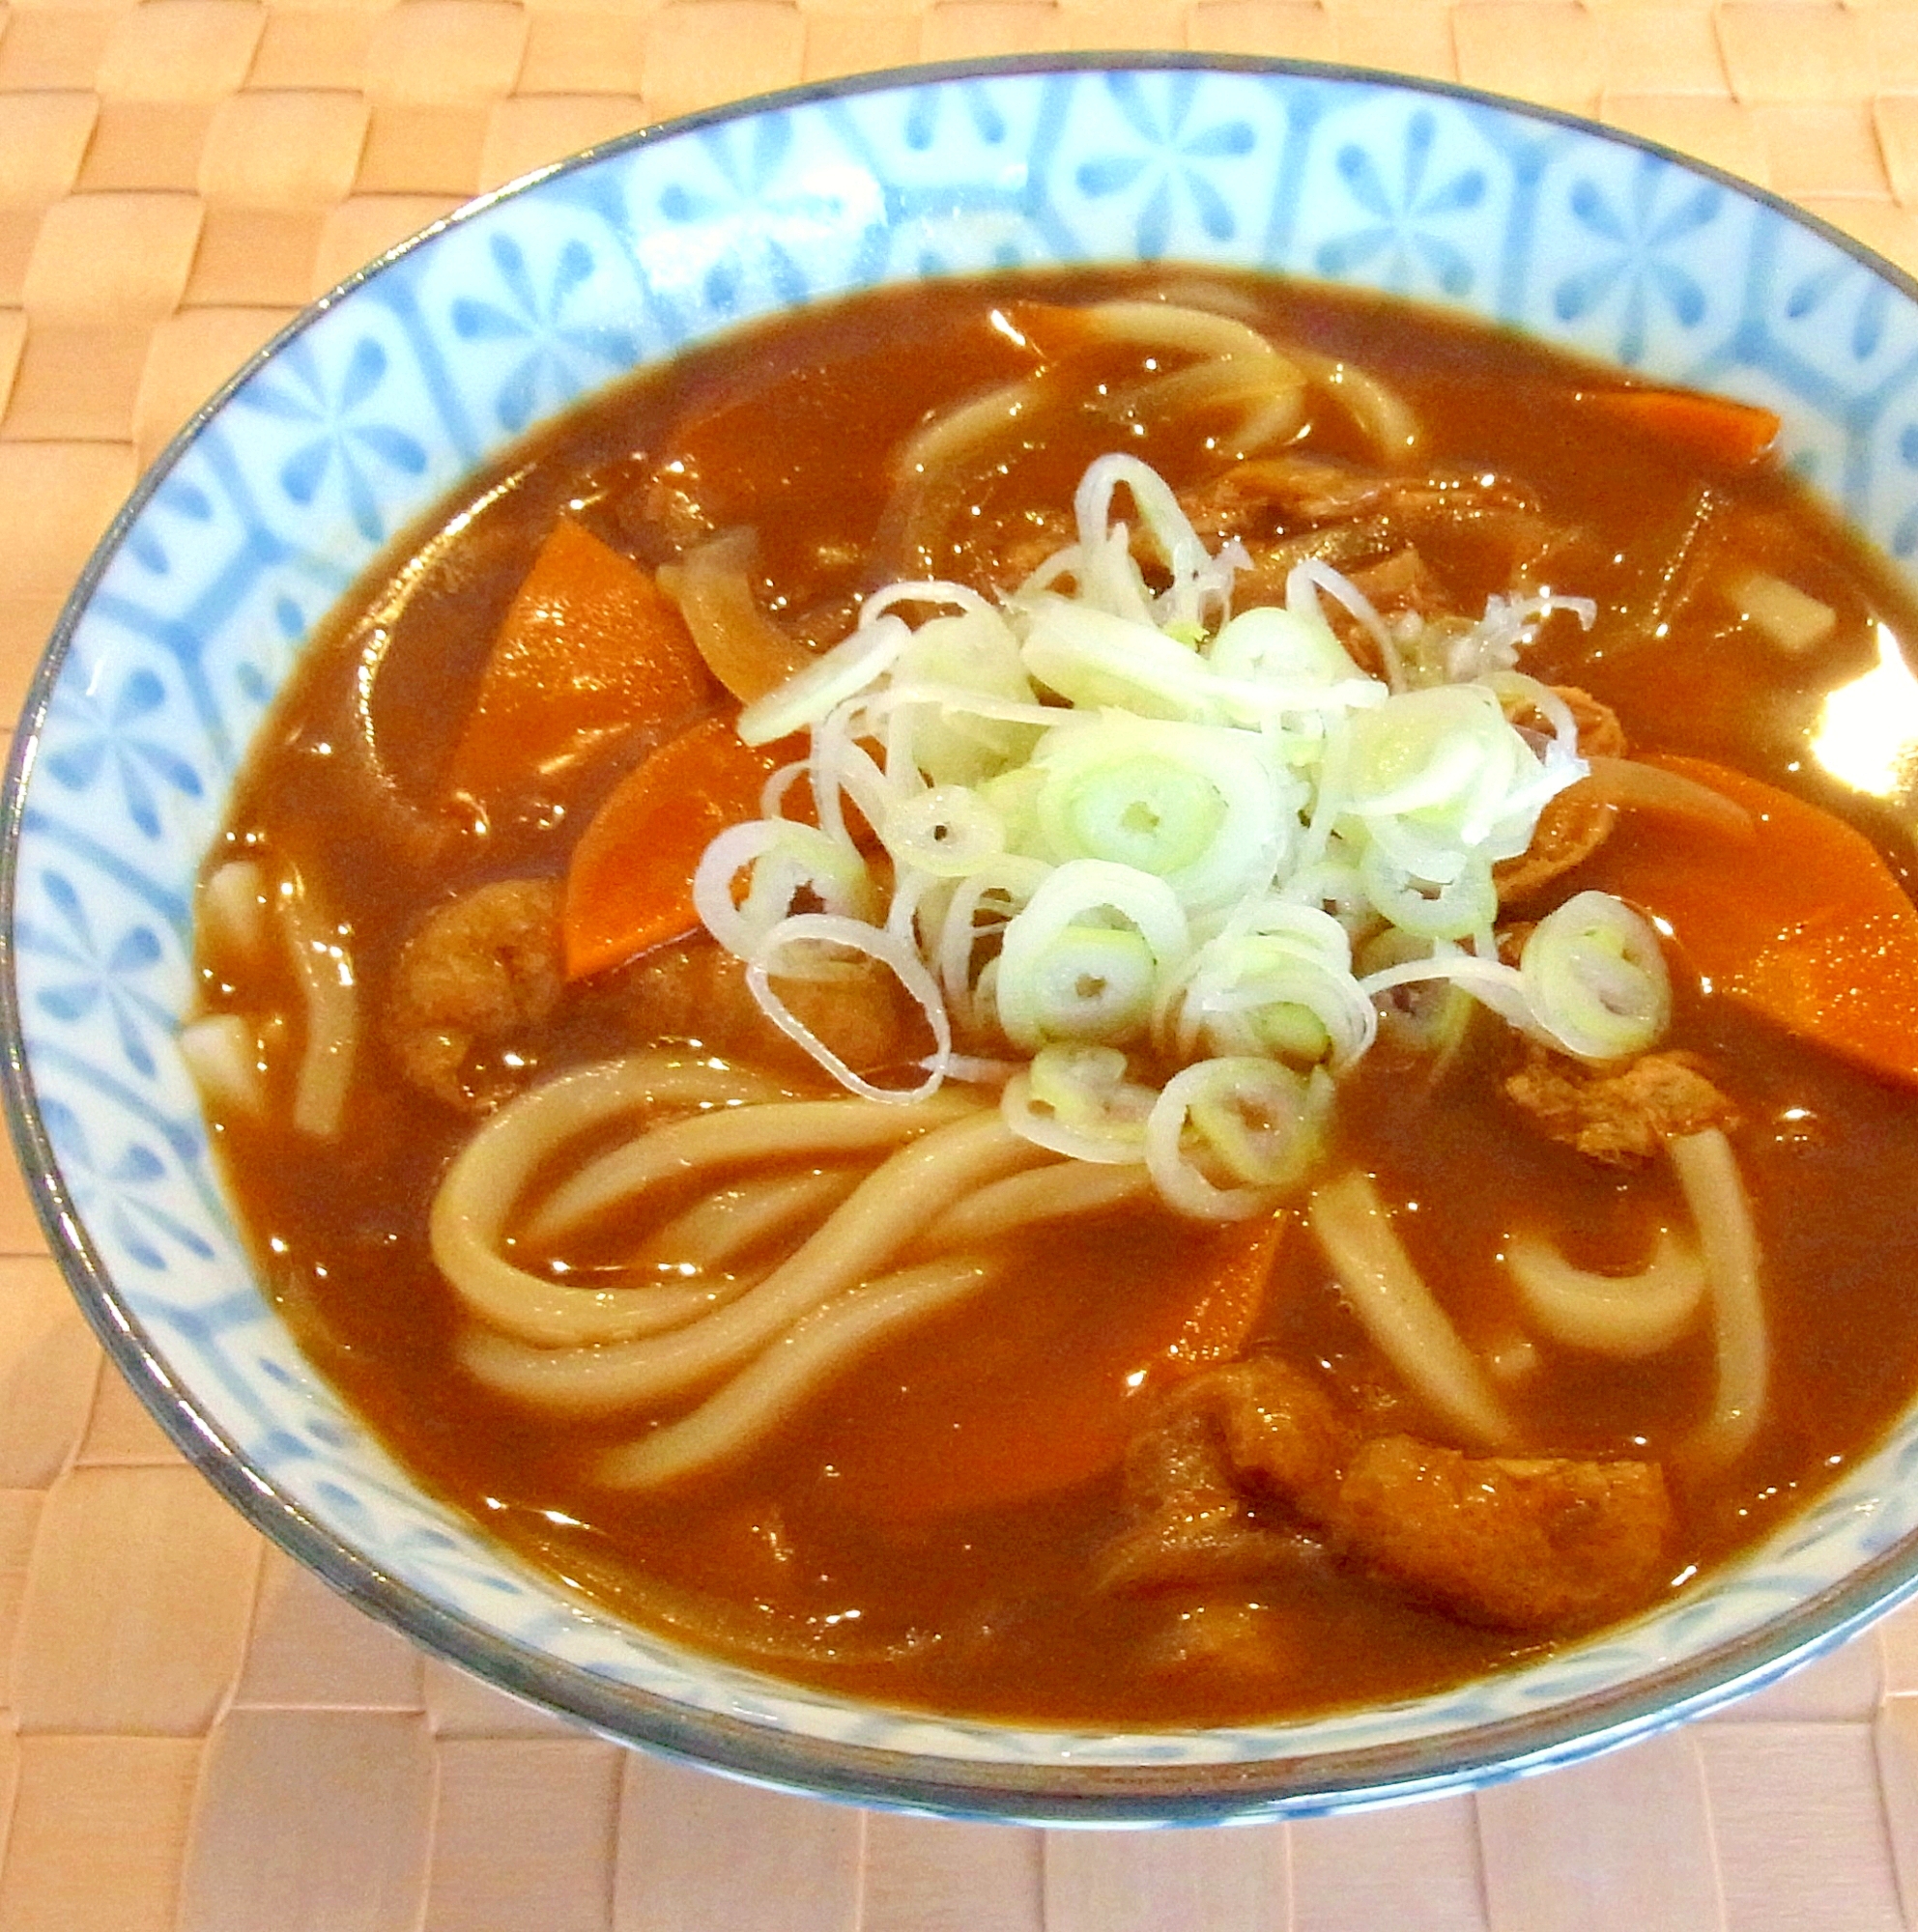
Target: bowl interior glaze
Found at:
380, 397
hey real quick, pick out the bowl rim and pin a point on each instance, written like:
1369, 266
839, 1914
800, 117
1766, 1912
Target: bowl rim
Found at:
1056, 1792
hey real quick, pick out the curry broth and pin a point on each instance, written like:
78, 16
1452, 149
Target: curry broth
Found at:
823, 1558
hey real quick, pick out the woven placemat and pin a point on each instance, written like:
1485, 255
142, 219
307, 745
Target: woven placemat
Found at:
195, 1734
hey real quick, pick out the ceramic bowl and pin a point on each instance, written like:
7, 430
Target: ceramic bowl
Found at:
380, 397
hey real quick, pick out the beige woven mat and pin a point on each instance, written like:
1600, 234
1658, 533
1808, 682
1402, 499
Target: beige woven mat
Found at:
196, 1735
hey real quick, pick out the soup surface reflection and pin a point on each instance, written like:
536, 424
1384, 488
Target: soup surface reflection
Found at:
1119, 1463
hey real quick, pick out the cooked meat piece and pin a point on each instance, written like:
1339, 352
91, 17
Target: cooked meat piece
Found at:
1622, 1115
1178, 1454
1346, 547
1573, 825
1404, 583
1272, 495
697, 991
476, 974
1512, 545
1456, 494
1549, 1544
1280, 1427
1192, 1524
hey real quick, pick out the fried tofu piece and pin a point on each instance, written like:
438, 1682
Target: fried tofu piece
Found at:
1620, 1117
1550, 1545
1573, 825
475, 976
1544, 1545
1192, 1523
1279, 1426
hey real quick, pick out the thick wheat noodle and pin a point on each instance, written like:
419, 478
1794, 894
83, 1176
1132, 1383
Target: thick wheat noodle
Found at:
956, 433
602, 1380
419, 835
490, 1171
1164, 324
223, 1056
742, 1217
763, 1394
232, 912
929, 468
1052, 1193
786, 1130
596, 1379
1709, 1173
332, 1013
1627, 1317
880, 1219
1397, 1310
742, 647
1380, 412
1271, 394
1194, 292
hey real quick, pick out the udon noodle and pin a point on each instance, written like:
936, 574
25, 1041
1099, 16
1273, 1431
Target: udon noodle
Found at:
1079, 1055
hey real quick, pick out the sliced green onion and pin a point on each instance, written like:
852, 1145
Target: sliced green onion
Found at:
1311, 575
1596, 976
1080, 1101
786, 859
949, 831
1081, 960
993, 894
1091, 657
1272, 994
1115, 817
812, 933
1453, 909
1251, 1121
1443, 751
1277, 645
1165, 523
1200, 807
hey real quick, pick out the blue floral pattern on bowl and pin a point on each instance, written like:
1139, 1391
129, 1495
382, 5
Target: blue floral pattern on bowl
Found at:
378, 400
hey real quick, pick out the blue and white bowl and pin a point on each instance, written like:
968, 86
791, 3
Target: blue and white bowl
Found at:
381, 396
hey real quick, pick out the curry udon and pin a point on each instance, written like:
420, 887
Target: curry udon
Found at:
1092, 998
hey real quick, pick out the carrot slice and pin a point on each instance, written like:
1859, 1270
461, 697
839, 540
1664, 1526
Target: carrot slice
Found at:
1045, 1405
590, 650
1235, 1292
1801, 918
1715, 430
630, 885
